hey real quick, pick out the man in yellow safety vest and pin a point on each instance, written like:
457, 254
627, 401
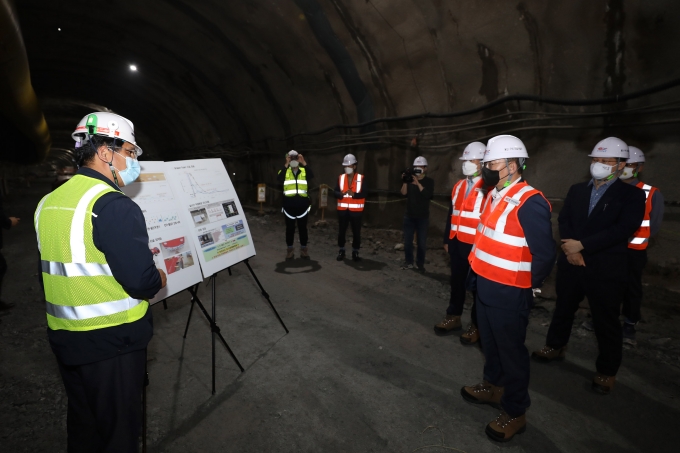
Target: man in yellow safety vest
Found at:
98, 274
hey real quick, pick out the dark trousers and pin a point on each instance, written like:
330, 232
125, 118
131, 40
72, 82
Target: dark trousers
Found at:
3, 271
572, 285
632, 300
460, 267
411, 227
105, 403
503, 333
346, 218
290, 230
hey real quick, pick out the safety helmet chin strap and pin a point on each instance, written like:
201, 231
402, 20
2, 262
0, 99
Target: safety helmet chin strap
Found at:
616, 173
520, 163
95, 147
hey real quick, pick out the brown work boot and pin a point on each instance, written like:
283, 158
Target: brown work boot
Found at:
447, 327
471, 335
548, 354
290, 253
603, 384
504, 428
303, 253
484, 393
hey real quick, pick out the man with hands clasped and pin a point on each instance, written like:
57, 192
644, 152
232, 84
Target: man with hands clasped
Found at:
595, 223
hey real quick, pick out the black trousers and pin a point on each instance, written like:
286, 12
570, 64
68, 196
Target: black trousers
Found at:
460, 267
302, 228
346, 218
572, 285
503, 333
3, 271
632, 300
105, 404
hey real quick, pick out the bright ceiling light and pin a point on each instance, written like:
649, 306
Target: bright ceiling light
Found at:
58, 29
133, 68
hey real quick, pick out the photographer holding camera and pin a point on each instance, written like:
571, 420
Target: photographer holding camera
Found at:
419, 190
294, 177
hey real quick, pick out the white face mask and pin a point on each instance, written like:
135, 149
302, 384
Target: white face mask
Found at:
628, 173
349, 170
294, 163
600, 171
470, 168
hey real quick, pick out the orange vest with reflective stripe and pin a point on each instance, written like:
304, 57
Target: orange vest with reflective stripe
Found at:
347, 202
466, 210
500, 252
640, 239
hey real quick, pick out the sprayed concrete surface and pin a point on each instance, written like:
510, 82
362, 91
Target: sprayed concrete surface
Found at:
360, 371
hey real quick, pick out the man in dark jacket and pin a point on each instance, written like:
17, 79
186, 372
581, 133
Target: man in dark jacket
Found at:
596, 221
6, 223
98, 276
419, 192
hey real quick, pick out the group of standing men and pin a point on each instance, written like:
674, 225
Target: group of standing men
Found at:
499, 238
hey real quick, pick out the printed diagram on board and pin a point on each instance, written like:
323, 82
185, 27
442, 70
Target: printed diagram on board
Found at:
220, 240
212, 185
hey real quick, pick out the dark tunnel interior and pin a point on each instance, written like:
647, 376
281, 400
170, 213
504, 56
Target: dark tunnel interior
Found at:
246, 81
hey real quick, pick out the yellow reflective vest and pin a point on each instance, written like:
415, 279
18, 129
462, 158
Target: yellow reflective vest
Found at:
80, 290
295, 186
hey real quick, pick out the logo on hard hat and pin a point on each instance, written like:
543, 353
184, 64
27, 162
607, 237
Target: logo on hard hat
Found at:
602, 149
514, 148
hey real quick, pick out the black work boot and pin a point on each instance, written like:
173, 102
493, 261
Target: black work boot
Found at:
355, 255
341, 255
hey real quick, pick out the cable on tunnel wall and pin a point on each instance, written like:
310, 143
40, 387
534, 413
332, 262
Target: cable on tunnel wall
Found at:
307, 143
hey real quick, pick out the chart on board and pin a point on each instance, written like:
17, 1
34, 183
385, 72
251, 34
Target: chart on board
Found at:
209, 205
169, 235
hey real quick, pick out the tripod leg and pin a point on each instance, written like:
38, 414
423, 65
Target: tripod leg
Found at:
213, 328
191, 310
266, 296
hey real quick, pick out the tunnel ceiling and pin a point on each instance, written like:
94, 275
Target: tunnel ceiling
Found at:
228, 74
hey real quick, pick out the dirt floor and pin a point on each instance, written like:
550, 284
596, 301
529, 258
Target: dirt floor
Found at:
361, 369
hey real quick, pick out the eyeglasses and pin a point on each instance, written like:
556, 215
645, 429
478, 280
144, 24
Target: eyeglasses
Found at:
599, 160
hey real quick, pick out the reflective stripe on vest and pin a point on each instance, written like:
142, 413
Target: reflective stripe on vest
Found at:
91, 311
466, 211
500, 252
640, 239
348, 201
293, 186
80, 290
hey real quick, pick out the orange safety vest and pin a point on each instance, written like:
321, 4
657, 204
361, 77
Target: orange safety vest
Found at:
500, 252
640, 239
347, 202
466, 210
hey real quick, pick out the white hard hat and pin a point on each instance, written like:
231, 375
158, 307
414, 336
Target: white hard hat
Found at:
636, 155
292, 153
349, 160
106, 124
505, 147
474, 150
611, 147
420, 162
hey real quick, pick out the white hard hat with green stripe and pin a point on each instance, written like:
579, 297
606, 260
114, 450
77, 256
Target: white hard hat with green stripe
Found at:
106, 124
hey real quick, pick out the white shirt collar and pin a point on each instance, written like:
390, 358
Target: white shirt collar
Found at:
497, 195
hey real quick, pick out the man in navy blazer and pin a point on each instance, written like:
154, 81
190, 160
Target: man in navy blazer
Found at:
596, 221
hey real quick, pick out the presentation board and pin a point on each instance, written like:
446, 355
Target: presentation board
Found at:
169, 234
209, 205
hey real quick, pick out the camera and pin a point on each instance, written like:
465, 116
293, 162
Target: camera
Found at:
407, 175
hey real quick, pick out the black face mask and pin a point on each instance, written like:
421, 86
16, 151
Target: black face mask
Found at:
491, 177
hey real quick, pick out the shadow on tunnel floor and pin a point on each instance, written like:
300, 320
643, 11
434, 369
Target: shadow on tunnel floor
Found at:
365, 264
297, 266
